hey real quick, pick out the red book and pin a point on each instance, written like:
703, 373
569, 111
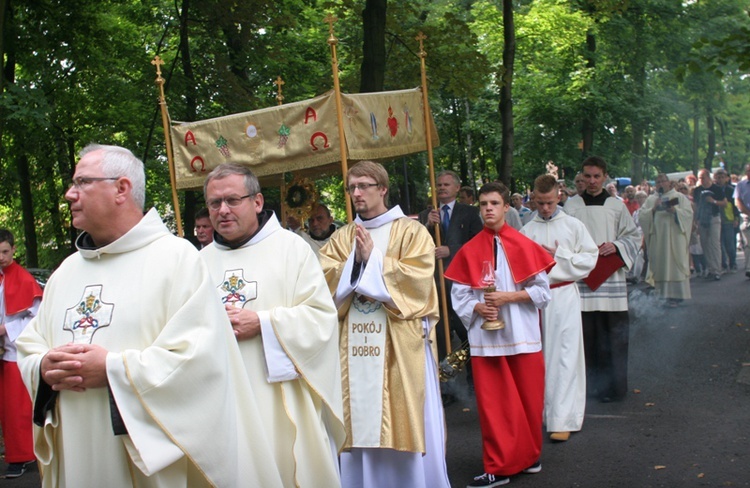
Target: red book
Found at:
605, 267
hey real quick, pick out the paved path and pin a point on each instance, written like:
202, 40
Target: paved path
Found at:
686, 420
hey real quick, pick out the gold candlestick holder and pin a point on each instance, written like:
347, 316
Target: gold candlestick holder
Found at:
493, 324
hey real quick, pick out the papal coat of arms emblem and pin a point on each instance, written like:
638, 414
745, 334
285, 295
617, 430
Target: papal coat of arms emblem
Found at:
235, 289
89, 315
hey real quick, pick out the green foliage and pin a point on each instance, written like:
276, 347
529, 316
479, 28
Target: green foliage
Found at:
82, 74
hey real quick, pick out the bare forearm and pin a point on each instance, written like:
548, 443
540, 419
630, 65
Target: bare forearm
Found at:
741, 206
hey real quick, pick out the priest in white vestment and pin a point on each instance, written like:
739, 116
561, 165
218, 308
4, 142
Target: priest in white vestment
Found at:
380, 269
130, 364
575, 253
273, 290
666, 219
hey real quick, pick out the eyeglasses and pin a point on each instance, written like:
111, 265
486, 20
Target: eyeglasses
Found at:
231, 202
360, 187
82, 181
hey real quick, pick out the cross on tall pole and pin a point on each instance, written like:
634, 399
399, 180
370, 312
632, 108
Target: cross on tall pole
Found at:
157, 61
279, 83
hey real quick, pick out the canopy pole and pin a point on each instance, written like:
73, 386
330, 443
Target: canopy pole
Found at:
428, 136
157, 61
332, 41
282, 188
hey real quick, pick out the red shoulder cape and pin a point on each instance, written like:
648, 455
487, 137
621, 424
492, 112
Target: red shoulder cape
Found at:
525, 257
20, 289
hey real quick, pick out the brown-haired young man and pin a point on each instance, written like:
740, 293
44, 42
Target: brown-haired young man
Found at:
508, 363
567, 240
380, 271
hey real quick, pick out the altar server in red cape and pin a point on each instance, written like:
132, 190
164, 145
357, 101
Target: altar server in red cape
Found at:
508, 363
20, 296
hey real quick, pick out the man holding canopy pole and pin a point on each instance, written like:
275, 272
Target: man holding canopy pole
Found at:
458, 224
380, 269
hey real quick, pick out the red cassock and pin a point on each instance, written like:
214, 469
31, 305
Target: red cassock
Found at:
20, 291
509, 389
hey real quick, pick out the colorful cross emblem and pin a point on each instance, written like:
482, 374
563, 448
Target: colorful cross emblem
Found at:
89, 315
235, 290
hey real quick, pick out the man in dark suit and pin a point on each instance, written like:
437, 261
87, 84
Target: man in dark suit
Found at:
458, 224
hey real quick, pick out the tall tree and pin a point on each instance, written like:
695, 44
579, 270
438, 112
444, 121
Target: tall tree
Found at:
506, 93
21, 172
191, 108
372, 78
711, 132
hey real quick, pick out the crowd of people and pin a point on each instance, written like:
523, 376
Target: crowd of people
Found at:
709, 211
310, 358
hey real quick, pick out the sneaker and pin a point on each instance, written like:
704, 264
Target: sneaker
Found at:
16, 470
534, 468
487, 480
717, 277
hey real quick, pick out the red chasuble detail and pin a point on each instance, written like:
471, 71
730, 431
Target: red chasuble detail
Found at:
526, 258
20, 289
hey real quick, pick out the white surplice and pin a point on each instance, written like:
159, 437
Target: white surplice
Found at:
562, 333
613, 223
521, 334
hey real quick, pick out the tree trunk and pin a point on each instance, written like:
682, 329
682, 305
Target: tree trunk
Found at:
636, 150
27, 211
191, 113
457, 119
372, 70
467, 170
506, 99
4, 14
7, 52
587, 125
727, 156
69, 171
696, 138
484, 172
637, 69
711, 150
52, 189
7, 70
